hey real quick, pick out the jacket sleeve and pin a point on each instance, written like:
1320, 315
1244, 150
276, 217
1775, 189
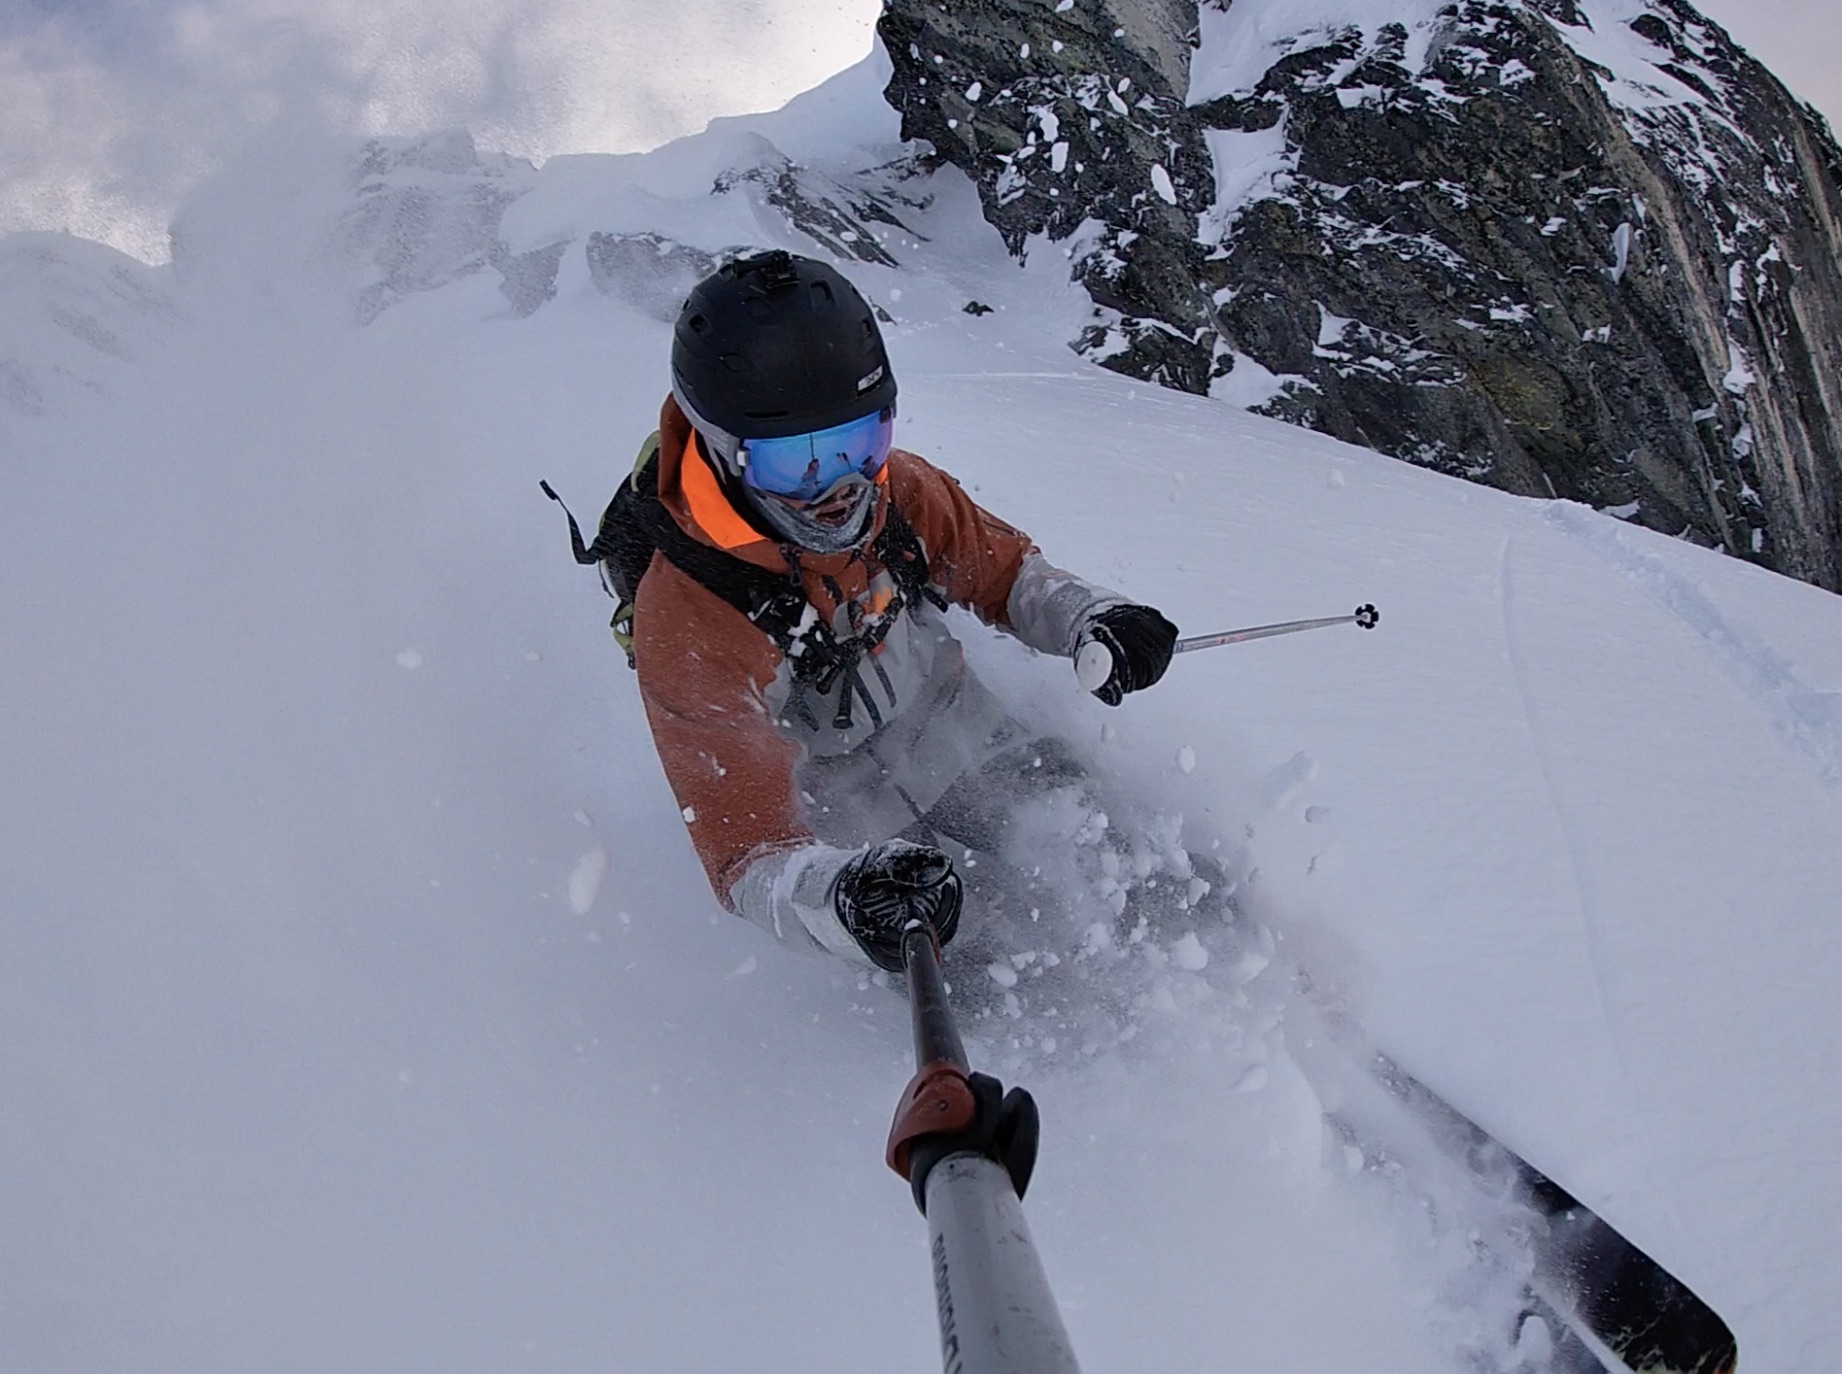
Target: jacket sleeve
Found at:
703, 671
990, 567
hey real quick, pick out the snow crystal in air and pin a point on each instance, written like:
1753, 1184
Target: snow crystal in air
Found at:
410, 659
1186, 759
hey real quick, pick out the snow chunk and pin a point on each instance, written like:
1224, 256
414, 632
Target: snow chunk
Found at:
1247, 167
1739, 372
1249, 384
1002, 974
1160, 182
1621, 252
1188, 953
585, 881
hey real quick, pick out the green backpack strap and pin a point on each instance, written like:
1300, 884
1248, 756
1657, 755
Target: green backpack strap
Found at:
618, 587
622, 548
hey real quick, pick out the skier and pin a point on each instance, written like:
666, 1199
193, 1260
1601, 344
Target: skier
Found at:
820, 751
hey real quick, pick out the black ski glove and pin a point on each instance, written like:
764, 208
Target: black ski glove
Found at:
1139, 639
888, 886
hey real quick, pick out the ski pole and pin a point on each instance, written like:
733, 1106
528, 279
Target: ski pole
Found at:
1367, 617
967, 1148
1094, 664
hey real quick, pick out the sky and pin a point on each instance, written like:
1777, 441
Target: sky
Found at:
114, 108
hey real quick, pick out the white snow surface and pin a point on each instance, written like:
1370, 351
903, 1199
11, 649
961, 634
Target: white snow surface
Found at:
356, 1018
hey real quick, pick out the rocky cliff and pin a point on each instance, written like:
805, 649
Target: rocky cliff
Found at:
1586, 248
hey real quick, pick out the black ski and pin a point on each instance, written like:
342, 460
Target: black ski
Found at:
1600, 1283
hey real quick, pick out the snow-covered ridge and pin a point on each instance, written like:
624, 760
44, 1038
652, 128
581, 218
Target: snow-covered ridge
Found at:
72, 315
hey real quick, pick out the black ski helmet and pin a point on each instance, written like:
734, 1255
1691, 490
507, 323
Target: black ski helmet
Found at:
774, 344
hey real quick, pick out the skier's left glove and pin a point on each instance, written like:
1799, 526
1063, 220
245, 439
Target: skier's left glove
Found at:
1140, 641
889, 886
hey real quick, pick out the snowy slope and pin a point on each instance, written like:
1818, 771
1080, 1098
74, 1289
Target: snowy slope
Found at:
365, 1009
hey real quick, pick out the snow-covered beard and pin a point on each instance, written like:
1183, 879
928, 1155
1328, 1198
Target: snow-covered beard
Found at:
815, 535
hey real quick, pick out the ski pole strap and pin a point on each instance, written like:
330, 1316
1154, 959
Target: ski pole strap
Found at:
1365, 617
938, 1099
575, 530
947, 1111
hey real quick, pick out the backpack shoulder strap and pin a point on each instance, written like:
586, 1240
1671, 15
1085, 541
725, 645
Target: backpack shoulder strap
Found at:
636, 524
899, 549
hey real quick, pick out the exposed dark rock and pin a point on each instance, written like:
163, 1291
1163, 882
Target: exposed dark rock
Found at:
1488, 238
651, 273
823, 209
429, 212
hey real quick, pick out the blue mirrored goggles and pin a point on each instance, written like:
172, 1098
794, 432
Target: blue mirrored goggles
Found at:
803, 467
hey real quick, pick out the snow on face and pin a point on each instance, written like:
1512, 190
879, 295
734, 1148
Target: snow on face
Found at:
115, 108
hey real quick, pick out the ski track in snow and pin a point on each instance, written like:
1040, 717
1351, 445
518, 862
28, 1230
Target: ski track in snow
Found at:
1585, 888
1586, 898
1808, 719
